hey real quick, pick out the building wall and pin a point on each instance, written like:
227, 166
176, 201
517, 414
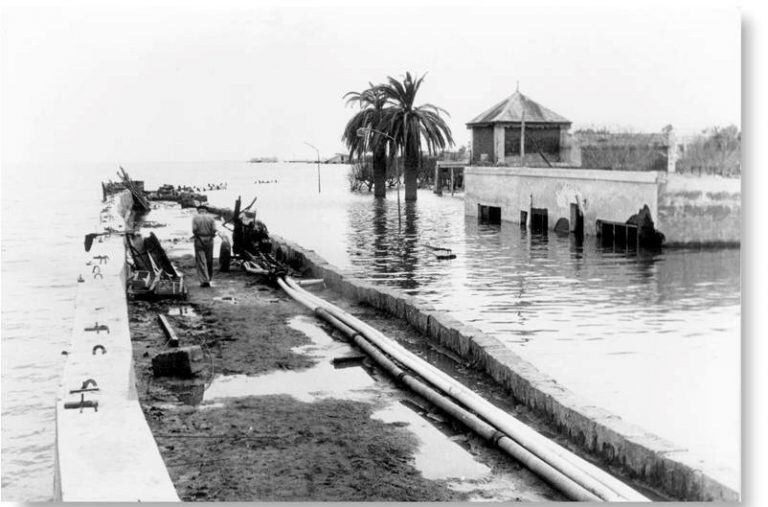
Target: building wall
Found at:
687, 209
703, 210
606, 195
626, 158
482, 142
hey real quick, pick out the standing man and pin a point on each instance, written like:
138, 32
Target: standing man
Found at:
204, 230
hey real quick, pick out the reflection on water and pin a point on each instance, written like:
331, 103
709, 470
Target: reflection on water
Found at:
320, 381
653, 337
437, 457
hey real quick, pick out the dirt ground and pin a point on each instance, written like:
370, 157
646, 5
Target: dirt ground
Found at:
263, 447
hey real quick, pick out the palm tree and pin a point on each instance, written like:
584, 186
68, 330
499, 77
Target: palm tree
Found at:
408, 125
371, 102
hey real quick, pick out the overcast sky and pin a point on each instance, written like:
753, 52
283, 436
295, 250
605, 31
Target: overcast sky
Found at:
227, 81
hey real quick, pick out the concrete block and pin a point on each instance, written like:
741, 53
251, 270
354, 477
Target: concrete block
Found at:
377, 298
390, 301
417, 318
462, 337
400, 304
183, 362
363, 291
348, 288
366, 293
333, 279
435, 326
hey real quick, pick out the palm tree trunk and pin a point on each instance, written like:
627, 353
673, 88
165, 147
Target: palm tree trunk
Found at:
411, 172
380, 172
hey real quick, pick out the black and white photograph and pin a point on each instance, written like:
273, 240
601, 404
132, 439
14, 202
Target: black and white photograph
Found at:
380, 251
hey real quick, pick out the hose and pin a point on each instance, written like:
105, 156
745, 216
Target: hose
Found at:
583, 473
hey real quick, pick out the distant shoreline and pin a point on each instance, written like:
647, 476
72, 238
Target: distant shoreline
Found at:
260, 160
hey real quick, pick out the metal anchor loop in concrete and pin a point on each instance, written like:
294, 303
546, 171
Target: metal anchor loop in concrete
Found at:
83, 403
86, 386
101, 277
97, 328
96, 269
99, 347
103, 259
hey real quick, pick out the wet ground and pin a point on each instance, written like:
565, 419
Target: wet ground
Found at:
287, 410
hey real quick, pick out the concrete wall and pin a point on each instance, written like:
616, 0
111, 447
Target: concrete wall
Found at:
625, 158
700, 210
639, 455
606, 195
107, 455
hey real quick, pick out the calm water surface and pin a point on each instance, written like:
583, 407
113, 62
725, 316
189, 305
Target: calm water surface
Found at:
652, 338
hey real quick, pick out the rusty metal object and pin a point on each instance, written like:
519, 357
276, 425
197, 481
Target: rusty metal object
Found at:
83, 403
97, 328
103, 259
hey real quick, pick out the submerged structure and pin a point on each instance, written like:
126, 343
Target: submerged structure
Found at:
527, 168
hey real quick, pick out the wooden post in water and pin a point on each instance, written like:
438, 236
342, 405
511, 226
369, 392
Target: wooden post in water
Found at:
452, 181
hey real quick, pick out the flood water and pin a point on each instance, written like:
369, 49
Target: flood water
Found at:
653, 338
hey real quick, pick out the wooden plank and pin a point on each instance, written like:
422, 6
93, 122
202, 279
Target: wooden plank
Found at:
173, 340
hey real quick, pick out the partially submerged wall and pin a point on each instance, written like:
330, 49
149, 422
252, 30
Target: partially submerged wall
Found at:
700, 210
640, 455
606, 195
109, 454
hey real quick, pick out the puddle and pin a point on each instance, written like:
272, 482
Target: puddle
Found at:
187, 393
438, 457
183, 310
498, 488
320, 381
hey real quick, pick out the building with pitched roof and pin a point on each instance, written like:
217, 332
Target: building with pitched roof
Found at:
527, 168
520, 131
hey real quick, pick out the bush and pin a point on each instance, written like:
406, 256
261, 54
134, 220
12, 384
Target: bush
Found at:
360, 175
716, 151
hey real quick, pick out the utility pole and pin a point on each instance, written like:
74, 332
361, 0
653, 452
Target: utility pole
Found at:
318, 164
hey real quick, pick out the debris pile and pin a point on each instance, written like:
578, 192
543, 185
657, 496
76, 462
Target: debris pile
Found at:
152, 274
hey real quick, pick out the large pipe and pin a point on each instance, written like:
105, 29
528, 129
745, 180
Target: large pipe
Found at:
598, 482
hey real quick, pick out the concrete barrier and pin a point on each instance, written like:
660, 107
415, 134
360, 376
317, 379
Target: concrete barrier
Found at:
700, 210
106, 453
639, 455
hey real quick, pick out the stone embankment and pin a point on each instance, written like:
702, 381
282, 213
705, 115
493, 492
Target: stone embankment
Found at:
635, 453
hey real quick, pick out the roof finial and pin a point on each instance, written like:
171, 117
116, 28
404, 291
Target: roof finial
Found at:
518, 86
